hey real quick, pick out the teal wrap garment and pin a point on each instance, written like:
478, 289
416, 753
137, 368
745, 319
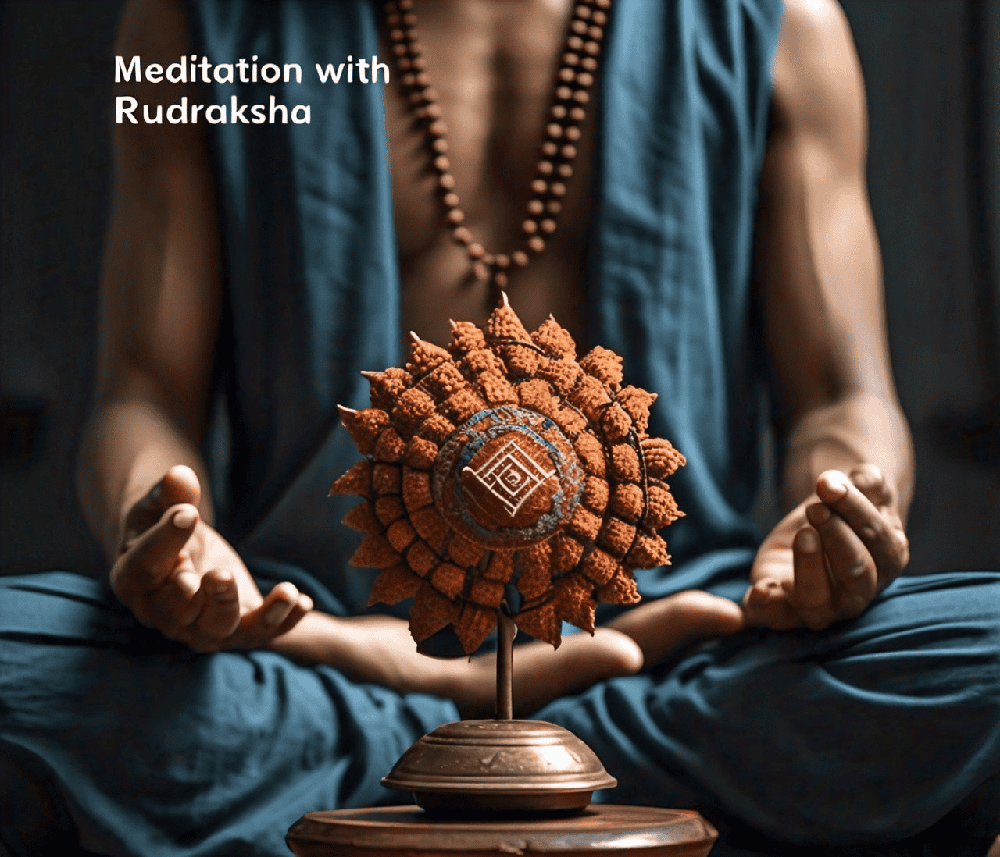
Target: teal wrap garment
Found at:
865, 734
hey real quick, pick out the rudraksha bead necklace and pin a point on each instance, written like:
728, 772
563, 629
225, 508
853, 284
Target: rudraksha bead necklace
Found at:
563, 129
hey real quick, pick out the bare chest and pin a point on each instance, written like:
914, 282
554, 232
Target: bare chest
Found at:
493, 66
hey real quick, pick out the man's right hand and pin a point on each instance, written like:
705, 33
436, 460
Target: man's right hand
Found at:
179, 576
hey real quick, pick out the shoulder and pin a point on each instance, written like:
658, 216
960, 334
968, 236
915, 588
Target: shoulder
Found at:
817, 85
157, 30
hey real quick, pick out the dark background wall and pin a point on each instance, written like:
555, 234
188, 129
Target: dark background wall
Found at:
931, 69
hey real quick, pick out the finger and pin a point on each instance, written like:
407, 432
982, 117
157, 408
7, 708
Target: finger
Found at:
152, 557
853, 574
263, 624
178, 602
870, 482
220, 614
885, 542
810, 595
766, 605
303, 605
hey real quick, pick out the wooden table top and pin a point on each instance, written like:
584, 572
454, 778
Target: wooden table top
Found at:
606, 830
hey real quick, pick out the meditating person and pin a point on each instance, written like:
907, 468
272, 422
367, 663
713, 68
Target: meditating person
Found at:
682, 182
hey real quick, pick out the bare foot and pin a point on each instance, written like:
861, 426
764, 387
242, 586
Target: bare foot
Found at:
660, 627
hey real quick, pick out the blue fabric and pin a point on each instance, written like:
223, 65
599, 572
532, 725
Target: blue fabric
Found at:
313, 296
864, 733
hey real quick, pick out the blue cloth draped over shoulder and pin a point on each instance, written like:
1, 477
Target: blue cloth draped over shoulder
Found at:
311, 272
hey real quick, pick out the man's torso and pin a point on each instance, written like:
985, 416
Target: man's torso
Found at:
493, 65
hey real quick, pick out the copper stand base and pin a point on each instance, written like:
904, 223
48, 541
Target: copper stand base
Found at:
611, 831
485, 767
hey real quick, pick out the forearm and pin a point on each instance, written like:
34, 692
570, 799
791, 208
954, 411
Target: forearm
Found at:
128, 445
857, 429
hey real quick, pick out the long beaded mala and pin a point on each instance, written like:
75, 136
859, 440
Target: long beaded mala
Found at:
502, 465
574, 82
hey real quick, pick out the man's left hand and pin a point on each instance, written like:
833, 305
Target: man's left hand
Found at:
829, 557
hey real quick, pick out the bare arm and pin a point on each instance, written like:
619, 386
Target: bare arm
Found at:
159, 295
141, 476
819, 274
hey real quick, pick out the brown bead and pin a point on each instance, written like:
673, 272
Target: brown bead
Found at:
600, 4
564, 93
432, 111
572, 132
581, 96
593, 48
550, 149
575, 44
566, 75
536, 243
409, 80
397, 35
548, 226
462, 235
582, 11
529, 227
595, 32
417, 61
565, 171
399, 49
536, 206
430, 94
570, 58
579, 27
539, 186
557, 189
553, 206
409, 19
438, 128
577, 114
446, 181
584, 78
403, 64
500, 280
405, 5
451, 200
519, 258
488, 260
568, 152
441, 163
422, 79
455, 216
558, 111
589, 63
481, 271
391, 16
476, 251
554, 130
439, 145
545, 168
599, 18
501, 261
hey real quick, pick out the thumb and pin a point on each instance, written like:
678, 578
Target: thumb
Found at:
152, 556
178, 485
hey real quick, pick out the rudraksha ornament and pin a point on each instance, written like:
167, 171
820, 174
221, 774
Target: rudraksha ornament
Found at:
499, 461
